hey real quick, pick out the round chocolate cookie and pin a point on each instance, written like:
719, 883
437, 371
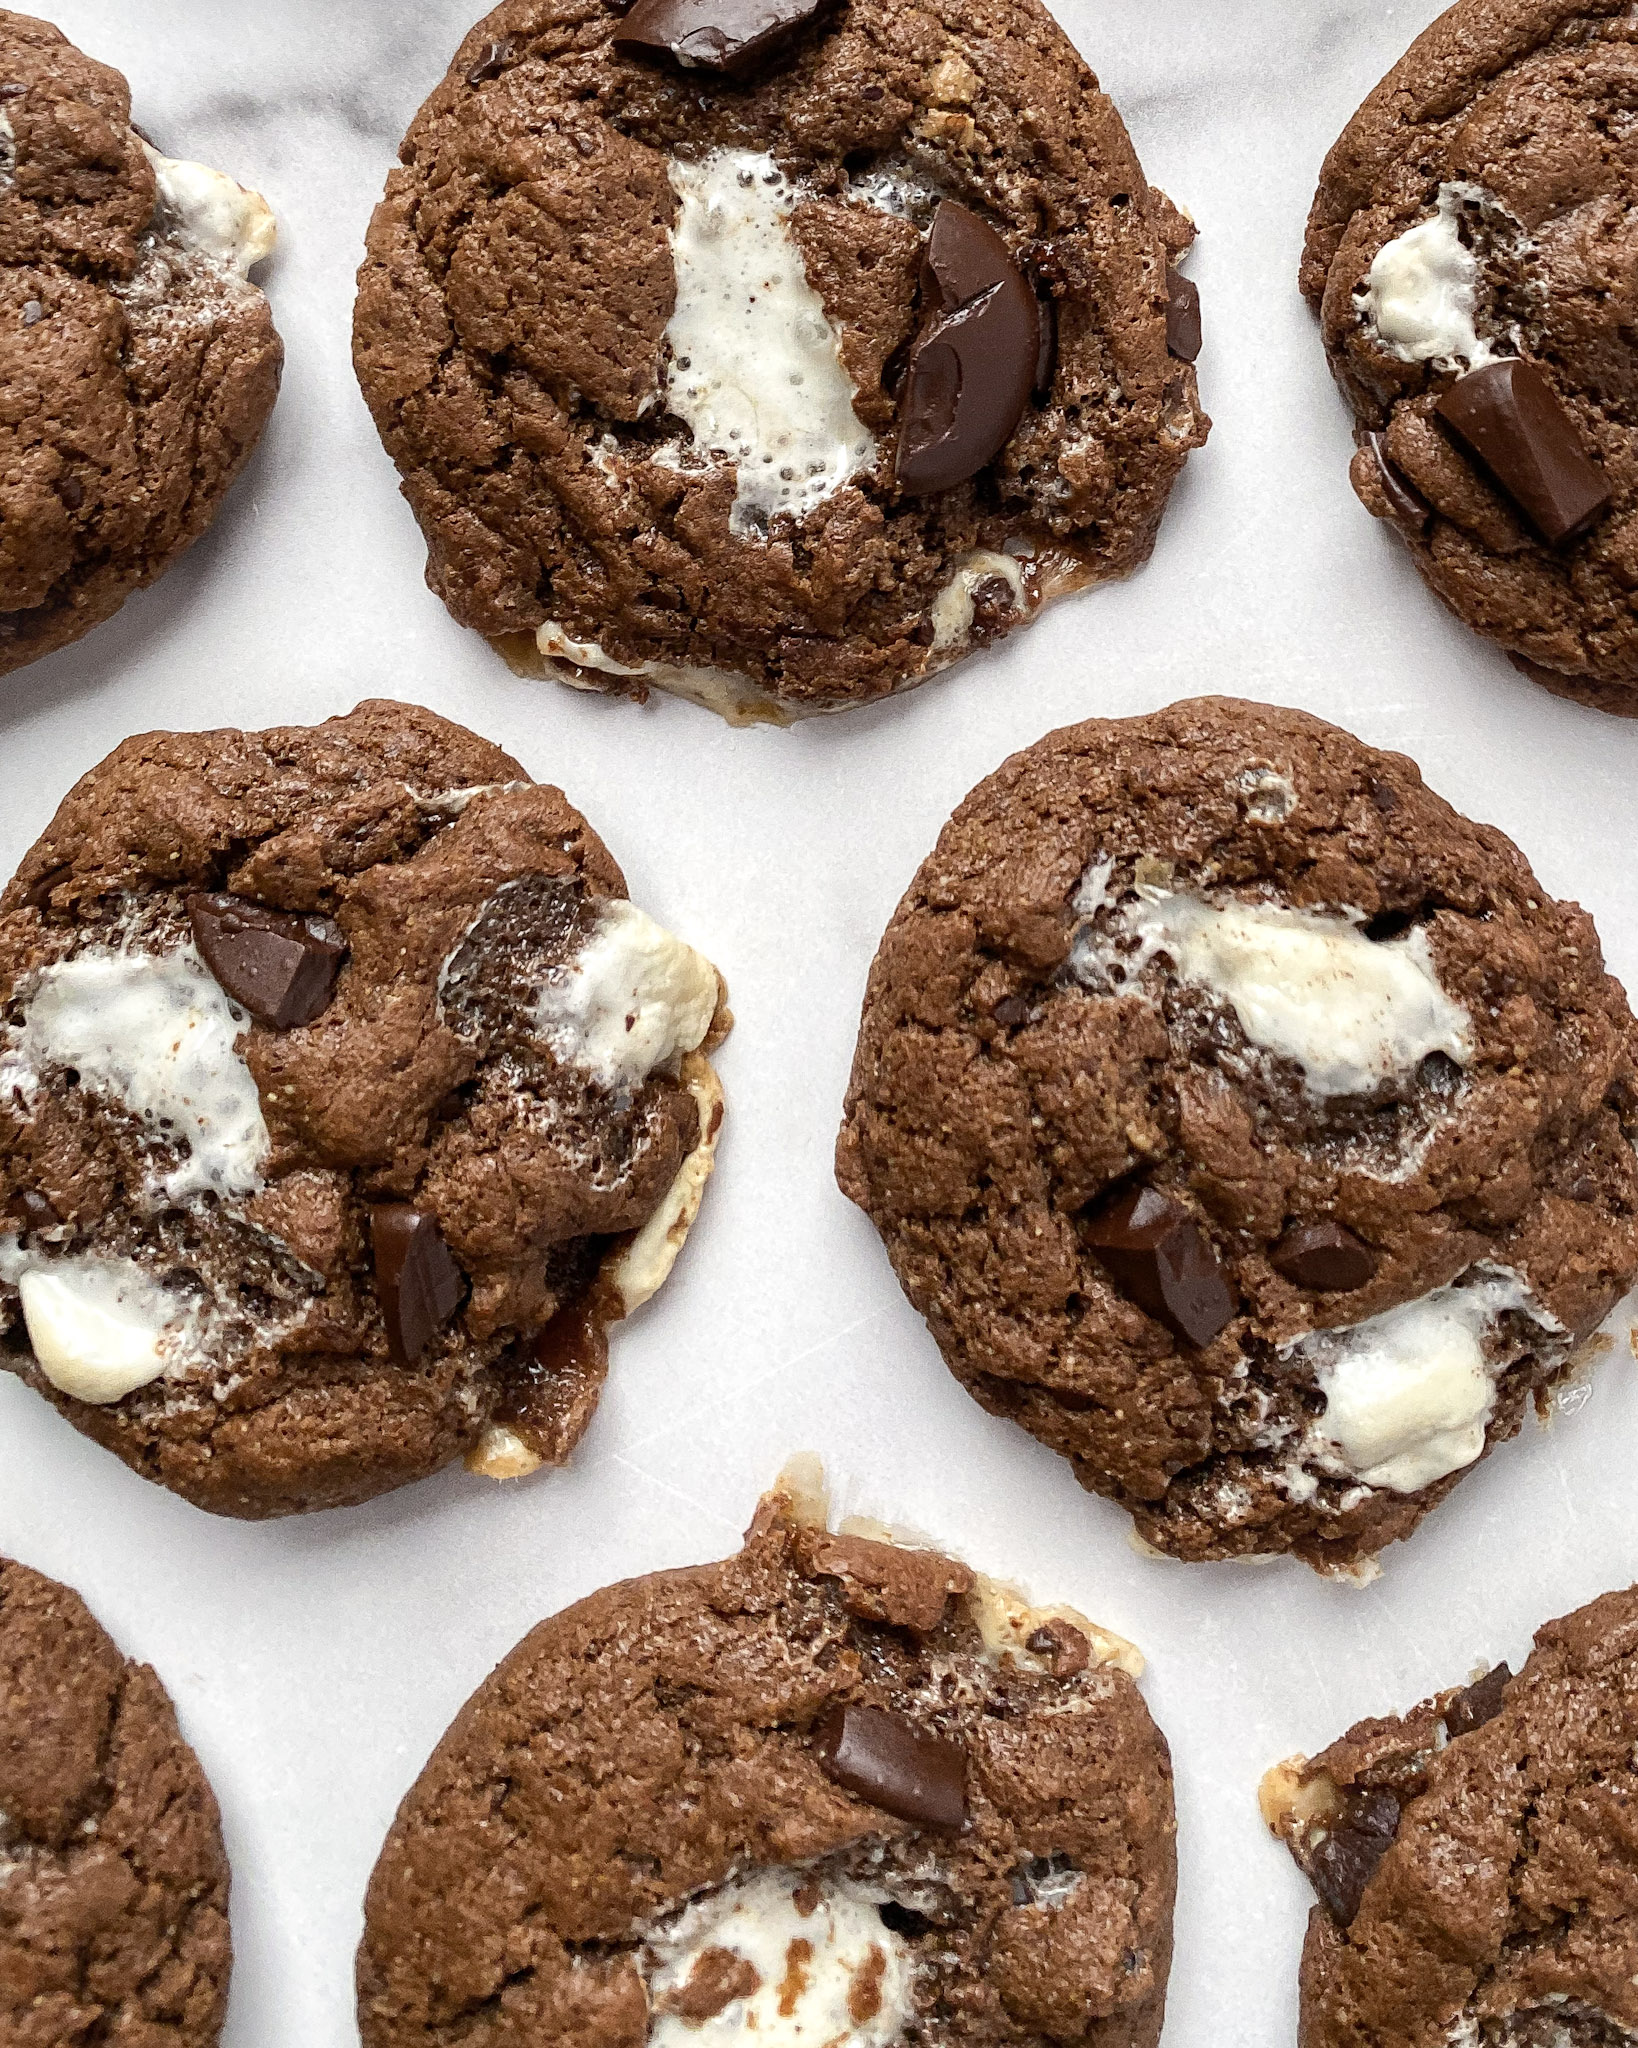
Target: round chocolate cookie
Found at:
832, 1789
1472, 1858
140, 363
773, 352
1471, 251
344, 1101
113, 1879
1250, 1127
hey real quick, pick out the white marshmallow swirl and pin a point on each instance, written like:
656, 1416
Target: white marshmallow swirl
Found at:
1421, 293
632, 1000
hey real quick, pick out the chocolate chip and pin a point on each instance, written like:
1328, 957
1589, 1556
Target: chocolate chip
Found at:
1182, 316
71, 491
1064, 1647
1509, 420
1325, 1257
418, 1283
34, 1211
33, 313
1407, 506
974, 363
1480, 1702
493, 62
1344, 1862
897, 1766
734, 37
276, 965
1160, 1258
1010, 1012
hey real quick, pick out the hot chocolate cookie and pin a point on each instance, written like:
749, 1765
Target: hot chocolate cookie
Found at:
831, 1789
1249, 1126
139, 361
1470, 254
113, 1879
774, 356
344, 1101
1471, 1857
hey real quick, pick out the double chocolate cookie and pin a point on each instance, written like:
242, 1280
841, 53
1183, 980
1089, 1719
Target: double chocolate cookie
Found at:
113, 1879
1249, 1126
773, 355
138, 360
1471, 253
344, 1101
832, 1789
1472, 1858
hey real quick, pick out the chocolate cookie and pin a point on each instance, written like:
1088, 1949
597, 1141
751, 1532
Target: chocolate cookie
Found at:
1250, 1127
139, 362
344, 1101
113, 1880
1471, 253
773, 355
830, 1789
1472, 1858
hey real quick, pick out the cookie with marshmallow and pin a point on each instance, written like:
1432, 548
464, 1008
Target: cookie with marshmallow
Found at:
1249, 1126
345, 1102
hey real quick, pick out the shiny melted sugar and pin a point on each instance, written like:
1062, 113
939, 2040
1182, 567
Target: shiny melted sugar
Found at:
755, 370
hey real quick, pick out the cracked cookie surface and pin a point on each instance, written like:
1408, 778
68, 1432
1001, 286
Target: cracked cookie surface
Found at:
113, 1879
1248, 1125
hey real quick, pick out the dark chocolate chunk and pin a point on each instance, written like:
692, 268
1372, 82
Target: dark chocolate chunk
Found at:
1409, 507
1159, 1257
734, 37
974, 363
1182, 316
1480, 1702
1345, 1860
71, 491
1510, 422
418, 1283
1010, 1012
1324, 1257
897, 1766
494, 60
276, 965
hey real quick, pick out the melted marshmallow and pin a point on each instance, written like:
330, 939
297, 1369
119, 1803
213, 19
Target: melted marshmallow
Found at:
212, 213
99, 1328
952, 613
831, 1975
1421, 291
632, 1000
1409, 1393
155, 1032
1352, 1012
755, 370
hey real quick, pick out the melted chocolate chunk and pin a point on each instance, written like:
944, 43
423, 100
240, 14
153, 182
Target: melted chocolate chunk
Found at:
419, 1284
275, 965
976, 360
1344, 1862
1326, 1258
1182, 316
1481, 1702
1408, 506
735, 37
1160, 1258
888, 1760
1510, 422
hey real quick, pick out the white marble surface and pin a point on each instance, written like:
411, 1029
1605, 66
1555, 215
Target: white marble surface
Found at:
315, 1662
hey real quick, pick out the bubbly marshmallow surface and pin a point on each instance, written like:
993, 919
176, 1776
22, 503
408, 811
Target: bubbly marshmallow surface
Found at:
1421, 290
755, 370
828, 1971
632, 1000
213, 213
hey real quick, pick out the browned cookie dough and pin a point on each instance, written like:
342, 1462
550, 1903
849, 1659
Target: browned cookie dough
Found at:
1471, 251
559, 346
1473, 1857
138, 361
829, 1788
113, 1880
344, 1099
1246, 1124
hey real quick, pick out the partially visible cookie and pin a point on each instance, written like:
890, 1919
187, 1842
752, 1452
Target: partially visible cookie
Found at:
345, 1101
1471, 251
1247, 1125
776, 370
113, 1879
1473, 1857
139, 361
831, 1789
